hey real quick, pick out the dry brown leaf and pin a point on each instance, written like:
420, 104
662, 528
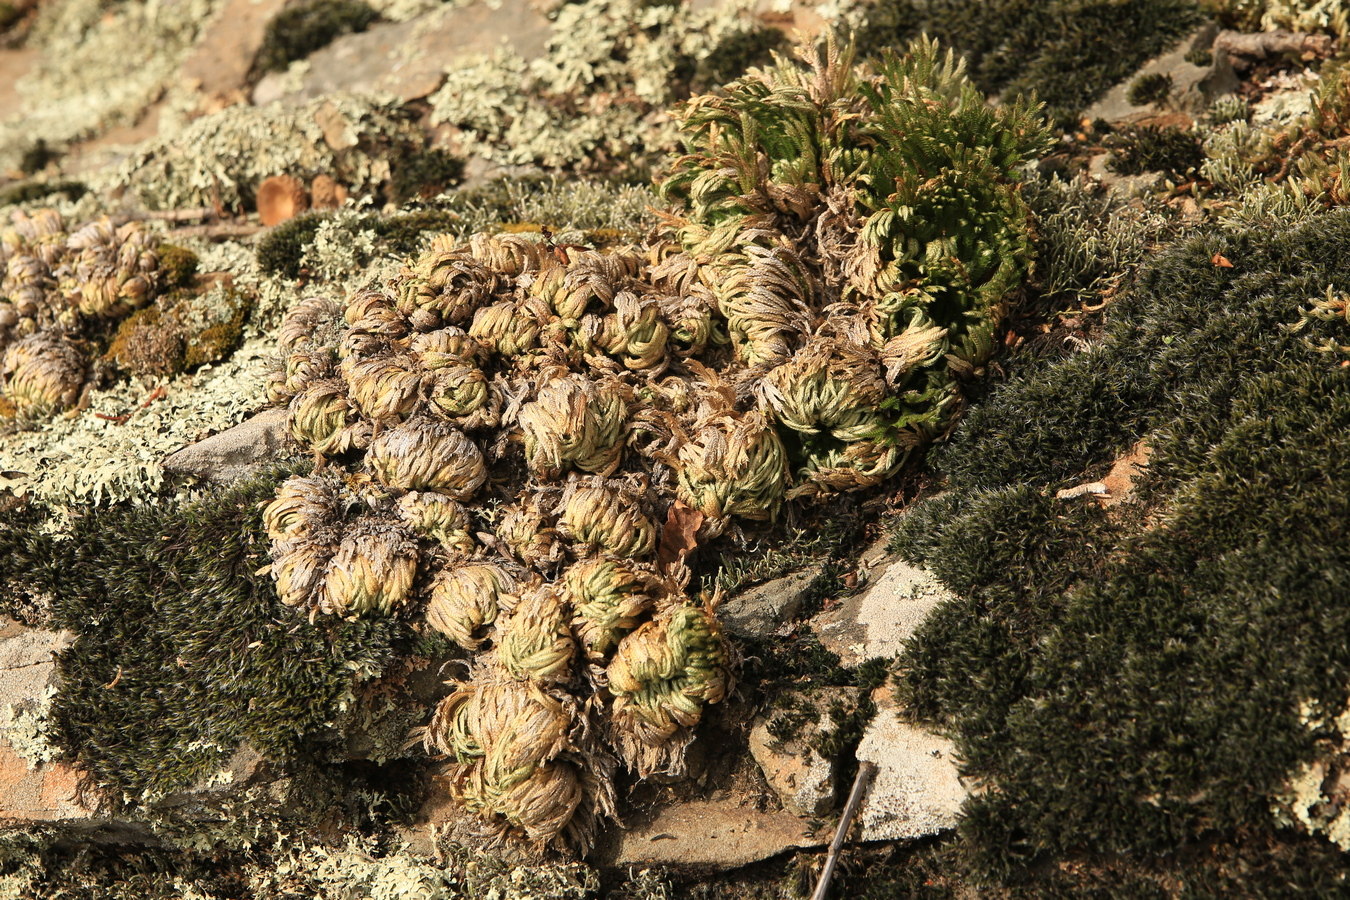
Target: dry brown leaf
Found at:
679, 536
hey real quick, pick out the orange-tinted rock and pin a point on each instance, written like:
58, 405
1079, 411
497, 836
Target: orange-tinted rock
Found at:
326, 193
280, 198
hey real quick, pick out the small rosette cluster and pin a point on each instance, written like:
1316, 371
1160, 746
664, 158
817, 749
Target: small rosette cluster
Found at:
56, 284
477, 422
515, 420
860, 230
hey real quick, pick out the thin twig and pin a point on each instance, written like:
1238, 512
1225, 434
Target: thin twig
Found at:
217, 231
860, 782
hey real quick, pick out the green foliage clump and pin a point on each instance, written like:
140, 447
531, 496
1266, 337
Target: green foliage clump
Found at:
182, 650
1171, 150
1067, 52
1130, 690
905, 182
1149, 89
299, 30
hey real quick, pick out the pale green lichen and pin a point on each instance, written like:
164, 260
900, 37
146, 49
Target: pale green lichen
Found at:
101, 65
597, 98
26, 727
90, 457
1294, 15
356, 871
221, 158
1315, 798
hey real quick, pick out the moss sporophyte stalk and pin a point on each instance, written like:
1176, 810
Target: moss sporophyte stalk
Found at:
505, 424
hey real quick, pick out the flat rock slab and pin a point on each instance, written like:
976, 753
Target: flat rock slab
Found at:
408, 59
718, 834
225, 53
1193, 87
802, 779
877, 621
32, 791
14, 64
917, 790
764, 610
236, 452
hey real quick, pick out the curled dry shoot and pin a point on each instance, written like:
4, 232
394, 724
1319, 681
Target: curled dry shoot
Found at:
503, 427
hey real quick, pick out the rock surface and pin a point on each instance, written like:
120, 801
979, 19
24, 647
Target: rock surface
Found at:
33, 788
14, 64
803, 781
408, 59
720, 834
1193, 87
234, 453
917, 789
226, 51
877, 621
763, 610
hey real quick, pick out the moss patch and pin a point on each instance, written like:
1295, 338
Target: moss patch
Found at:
299, 30
183, 651
1133, 690
1067, 52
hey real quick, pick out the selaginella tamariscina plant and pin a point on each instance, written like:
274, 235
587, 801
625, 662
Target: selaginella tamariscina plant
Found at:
57, 285
504, 426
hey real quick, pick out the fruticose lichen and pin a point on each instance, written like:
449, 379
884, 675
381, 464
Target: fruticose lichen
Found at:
598, 99
100, 66
220, 158
26, 727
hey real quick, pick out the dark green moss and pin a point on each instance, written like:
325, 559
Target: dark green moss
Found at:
1127, 691
1149, 89
406, 233
424, 174
1067, 52
1200, 56
37, 157
282, 249
177, 267
9, 14
1169, 150
28, 191
182, 649
299, 30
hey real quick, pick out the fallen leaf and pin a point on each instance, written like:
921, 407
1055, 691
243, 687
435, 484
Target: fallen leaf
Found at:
679, 536
1221, 261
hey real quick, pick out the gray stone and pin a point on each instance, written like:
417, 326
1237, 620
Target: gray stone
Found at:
219, 65
717, 834
408, 59
34, 785
236, 452
917, 790
878, 620
1194, 87
770, 607
803, 780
